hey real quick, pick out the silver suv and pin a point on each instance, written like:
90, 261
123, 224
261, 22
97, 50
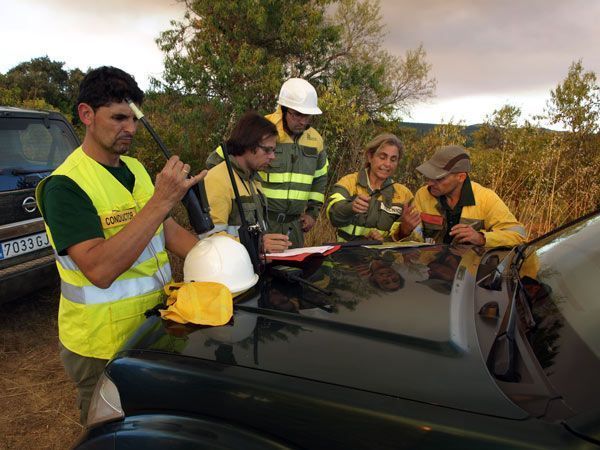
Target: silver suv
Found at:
32, 144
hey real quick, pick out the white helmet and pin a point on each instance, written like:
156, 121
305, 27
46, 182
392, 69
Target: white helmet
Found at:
299, 95
220, 259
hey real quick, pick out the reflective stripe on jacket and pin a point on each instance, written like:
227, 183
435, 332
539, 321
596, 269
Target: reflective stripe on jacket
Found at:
296, 180
95, 322
384, 211
489, 215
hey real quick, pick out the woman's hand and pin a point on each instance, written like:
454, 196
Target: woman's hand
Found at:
374, 235
360, 204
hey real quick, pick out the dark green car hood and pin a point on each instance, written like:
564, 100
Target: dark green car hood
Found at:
398, 322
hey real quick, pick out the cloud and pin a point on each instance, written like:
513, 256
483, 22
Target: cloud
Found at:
480, 50
84, 34
491, 46
132, 9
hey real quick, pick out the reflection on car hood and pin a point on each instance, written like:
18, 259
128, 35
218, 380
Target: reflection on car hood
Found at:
398, 322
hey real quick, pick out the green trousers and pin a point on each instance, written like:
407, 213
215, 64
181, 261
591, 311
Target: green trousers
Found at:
85, 372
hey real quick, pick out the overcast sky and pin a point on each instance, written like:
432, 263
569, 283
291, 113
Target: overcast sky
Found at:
484, 53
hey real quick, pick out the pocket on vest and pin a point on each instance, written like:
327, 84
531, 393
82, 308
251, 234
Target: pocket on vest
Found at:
127, 315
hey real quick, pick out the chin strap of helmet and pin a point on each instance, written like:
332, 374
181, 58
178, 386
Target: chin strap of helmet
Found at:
250, 235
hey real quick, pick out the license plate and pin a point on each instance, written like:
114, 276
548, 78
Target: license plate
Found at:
20, 246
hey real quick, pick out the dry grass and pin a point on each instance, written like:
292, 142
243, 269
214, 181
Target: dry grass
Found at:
544, 186
37, 400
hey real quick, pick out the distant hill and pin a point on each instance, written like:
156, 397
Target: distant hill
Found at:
424, 128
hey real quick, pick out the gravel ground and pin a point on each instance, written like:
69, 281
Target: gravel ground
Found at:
37, 400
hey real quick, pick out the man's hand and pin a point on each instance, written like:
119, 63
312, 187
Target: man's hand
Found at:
172, 182
466, 234
275, 243
103, 260
306, 222
360, 204
409, 219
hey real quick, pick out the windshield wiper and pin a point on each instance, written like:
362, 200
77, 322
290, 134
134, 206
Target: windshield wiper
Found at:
508, 335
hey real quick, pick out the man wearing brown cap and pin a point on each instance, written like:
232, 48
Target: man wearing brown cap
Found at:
455, 209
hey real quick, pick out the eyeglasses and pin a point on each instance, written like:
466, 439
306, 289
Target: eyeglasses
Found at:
265, 148
298, 115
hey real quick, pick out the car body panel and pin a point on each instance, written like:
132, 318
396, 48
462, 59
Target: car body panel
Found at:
395, 356
175, 432
32, 144
415, 329
308, 413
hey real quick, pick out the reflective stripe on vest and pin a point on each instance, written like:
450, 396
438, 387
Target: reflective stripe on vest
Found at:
118, 290
323, 170
292, 177
355, 230
232, 230
316, 196
333, 199
517, 229
156, 245
293, 194
284, 194
287, 177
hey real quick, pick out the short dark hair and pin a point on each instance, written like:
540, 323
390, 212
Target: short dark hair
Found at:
248, 132
106, 85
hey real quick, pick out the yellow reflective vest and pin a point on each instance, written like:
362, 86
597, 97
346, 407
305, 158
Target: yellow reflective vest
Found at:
95, 322
489, 214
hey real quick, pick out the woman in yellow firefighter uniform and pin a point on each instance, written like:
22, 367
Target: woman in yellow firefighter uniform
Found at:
369, 204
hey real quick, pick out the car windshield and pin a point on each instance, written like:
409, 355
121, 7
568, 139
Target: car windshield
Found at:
560, 277
31, 145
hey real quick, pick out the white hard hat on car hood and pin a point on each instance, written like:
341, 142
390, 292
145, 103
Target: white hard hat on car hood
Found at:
223, 260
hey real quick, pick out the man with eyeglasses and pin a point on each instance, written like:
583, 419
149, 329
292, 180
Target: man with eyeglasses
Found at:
251, 147
456, 210
295, 181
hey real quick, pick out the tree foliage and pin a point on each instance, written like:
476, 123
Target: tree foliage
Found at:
576, 101
385, 83
493, 132
234, 56
41, 82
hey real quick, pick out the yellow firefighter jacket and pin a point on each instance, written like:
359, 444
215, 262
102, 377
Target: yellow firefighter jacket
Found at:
484, 211
385, 208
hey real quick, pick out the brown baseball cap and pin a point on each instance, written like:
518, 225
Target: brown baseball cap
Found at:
445, 160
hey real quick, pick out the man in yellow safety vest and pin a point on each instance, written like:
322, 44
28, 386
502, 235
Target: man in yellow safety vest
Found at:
110, 230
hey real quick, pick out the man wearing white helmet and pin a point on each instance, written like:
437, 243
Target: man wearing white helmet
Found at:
295, 181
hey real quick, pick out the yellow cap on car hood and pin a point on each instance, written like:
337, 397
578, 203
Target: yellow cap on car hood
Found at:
199, 302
